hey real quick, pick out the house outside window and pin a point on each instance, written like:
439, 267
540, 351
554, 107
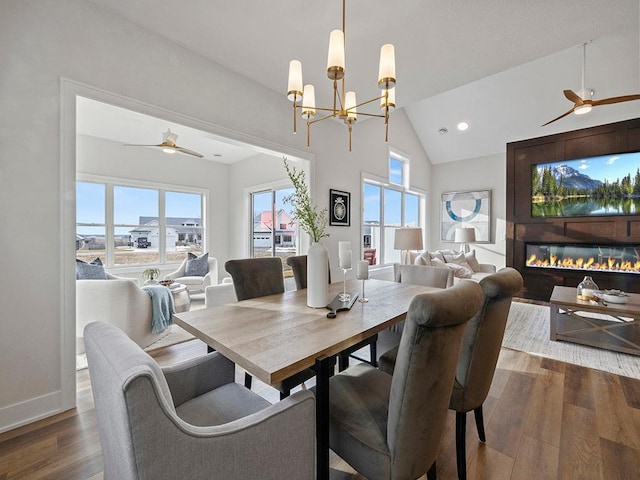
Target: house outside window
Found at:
121, 222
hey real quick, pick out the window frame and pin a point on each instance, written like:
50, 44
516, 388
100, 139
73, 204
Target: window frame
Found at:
404, 190
110, 183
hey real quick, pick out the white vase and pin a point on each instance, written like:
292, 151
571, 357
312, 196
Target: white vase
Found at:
317, 276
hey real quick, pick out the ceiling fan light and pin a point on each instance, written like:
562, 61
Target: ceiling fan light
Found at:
582, 109
169, 150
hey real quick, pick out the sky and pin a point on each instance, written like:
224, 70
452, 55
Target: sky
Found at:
130, 204
606, 167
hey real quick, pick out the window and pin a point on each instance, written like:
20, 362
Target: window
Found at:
388, 204
126, 224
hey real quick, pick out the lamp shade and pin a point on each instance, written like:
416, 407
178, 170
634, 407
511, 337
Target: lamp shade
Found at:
408, 239
294, 90
465, 235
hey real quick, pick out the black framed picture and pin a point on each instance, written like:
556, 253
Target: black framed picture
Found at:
339, 208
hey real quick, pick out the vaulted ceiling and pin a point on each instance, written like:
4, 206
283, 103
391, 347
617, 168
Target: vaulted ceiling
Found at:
500, 65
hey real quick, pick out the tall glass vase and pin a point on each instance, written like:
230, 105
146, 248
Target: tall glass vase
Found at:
317, 276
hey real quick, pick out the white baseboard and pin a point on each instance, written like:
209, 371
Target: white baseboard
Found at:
23, 413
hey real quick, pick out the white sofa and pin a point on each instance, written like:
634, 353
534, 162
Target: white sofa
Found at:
117, 301
454, 260
195, 284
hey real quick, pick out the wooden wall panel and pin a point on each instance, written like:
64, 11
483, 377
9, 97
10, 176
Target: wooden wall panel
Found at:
606, 230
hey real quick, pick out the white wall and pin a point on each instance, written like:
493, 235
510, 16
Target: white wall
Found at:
43, 42
480, 173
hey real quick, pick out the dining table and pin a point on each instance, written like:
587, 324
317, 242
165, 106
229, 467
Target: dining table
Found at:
277, 336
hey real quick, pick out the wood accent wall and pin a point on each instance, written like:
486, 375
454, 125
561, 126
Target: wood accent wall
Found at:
620, 137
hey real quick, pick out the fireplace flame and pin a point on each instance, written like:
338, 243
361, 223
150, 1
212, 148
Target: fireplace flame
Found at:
610, 264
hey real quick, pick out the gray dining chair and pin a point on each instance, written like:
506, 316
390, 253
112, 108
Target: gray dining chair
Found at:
260, 277
389, 426
479, 356
298, 264
191, 420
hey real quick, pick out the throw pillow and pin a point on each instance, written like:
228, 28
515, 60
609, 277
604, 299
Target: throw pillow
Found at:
90, 271
197, 266
459, 259
437, 255
472, 261
458, 270
423, 259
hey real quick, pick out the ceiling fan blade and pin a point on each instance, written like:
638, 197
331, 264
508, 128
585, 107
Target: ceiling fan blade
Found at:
189, 152
608, 101
572, 96
561, 116
140, 145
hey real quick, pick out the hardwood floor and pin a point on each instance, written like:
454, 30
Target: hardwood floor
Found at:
544, 419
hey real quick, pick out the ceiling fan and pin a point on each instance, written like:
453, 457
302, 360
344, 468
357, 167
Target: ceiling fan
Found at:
582, 102
169, 145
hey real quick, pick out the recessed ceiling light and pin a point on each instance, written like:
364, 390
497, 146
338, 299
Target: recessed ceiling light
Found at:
462, 126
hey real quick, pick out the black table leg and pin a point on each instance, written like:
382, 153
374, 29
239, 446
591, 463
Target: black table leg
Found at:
324, 369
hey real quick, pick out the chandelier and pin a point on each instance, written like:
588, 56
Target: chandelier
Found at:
345, 106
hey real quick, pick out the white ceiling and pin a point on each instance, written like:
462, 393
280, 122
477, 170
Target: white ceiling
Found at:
501, 65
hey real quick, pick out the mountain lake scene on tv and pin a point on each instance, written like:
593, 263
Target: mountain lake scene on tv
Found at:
604, 185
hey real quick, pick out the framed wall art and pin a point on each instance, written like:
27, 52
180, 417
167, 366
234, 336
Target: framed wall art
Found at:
339, 208
466, 209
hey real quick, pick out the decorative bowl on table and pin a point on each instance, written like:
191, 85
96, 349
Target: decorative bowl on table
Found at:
613, 296
166, 283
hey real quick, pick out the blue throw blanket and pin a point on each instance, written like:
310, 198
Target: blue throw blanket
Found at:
163, 309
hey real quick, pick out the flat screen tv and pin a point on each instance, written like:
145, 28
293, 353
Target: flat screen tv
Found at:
603, 185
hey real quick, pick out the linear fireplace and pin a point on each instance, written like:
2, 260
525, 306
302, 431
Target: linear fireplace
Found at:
588, 258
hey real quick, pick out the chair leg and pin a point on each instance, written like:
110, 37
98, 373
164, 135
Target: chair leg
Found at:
461, 454
480, 423
431, 473
247, 380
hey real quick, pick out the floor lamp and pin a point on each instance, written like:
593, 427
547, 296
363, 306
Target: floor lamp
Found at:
407, 239
465, 236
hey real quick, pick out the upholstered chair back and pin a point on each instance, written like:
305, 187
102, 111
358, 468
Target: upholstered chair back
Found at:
483, 340
120, 364
256, 277
298, 265
421, 275
424, 375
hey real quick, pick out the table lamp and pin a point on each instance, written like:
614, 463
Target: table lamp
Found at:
406, 239
465, 236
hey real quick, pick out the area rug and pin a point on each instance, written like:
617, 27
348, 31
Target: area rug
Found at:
528, 331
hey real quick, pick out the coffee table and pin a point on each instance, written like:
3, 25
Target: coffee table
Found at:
181, 298
612, 326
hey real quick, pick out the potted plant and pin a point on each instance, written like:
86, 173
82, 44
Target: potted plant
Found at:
151, 274
314, 222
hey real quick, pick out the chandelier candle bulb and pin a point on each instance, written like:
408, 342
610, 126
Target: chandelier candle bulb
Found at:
294, 91
309, 102
387, 70
350, 106
362, 270
388, 99
335, 56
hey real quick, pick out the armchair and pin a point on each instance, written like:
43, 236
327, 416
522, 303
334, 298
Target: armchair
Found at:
116, 301
191, 420
195, 284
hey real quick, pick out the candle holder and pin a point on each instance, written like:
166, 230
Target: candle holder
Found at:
363, 299
362, 273
344, 296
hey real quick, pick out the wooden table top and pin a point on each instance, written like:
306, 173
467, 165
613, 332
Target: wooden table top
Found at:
567, 296
277, 336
